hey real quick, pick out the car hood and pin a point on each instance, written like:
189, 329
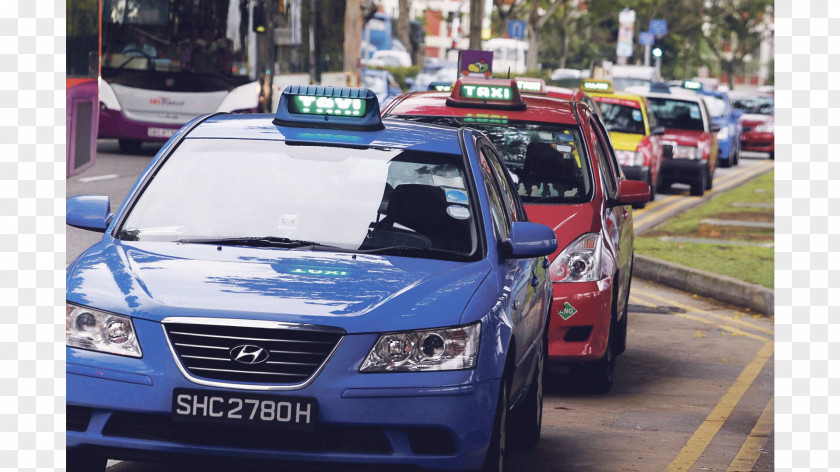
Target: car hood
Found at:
753, 120
366, 293
684, 137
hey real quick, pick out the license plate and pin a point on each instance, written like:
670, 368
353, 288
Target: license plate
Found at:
161, 132
202, 406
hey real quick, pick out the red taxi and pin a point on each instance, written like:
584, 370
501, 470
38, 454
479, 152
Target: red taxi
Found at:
757, 121
565, 171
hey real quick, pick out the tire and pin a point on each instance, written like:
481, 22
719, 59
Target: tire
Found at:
654, 187
494, 461
80, 462
130, 146
699, 186
710, 180
726, 163
773, 156
526, 424
621, 326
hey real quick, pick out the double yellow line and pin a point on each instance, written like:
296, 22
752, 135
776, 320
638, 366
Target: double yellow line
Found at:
751, 449
659, 207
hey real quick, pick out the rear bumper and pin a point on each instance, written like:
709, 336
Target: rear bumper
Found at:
114, 124
582, 336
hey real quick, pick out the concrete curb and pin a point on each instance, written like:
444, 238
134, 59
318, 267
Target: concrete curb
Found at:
720, 287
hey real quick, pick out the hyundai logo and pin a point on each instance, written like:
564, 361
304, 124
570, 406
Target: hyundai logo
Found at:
249, 354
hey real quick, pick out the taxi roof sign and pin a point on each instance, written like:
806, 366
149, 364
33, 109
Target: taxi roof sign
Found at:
441, 86
531, 85
693, 85
328, 107
486, 93
591, 85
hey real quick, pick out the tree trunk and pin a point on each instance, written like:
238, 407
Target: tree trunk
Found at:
533, 36
404, 27
353, 23
476, 16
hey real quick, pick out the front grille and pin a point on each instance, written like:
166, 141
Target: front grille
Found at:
746, 129
78, 418
325, 438
294, 355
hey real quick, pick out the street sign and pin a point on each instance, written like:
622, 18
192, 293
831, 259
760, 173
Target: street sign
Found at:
516, 29
646, 38
624, 45
658, 27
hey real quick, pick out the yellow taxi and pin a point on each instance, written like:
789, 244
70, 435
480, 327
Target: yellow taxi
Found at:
633, 131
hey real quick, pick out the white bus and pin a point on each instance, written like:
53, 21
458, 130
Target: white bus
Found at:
507, 54
165, 62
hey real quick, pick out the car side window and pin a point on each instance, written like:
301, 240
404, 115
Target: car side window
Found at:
514, 210
607, 172
497, 206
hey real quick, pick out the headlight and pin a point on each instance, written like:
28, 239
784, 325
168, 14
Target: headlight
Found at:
96, 330
424, 350
723, 134
630, 158
687, 152
579, 262
764, 128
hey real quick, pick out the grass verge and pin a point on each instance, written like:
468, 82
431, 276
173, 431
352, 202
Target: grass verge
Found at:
752, 264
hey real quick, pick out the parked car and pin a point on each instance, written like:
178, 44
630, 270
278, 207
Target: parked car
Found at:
757, 122
728, 119
388, 58
565, 171
433, 72
319, 285
382, 83
689, 145
634, 131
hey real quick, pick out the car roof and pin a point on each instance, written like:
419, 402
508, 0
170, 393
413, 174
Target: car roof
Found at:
539, 108
399, 134
692, 97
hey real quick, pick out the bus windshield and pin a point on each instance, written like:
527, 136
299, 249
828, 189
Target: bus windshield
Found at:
146, 38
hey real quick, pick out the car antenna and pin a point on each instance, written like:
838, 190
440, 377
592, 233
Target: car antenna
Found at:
508, 72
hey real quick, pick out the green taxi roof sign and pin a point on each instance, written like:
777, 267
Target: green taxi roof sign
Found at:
531, 85
328, 107
486, 93
591, 85
693, 85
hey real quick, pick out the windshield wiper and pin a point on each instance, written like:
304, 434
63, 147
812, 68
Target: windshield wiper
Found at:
414, 251
256, 241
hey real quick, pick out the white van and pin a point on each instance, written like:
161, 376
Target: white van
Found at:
507, 53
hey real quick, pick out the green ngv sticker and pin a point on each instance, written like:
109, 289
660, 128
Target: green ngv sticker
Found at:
313, 105
567, 312
486, 92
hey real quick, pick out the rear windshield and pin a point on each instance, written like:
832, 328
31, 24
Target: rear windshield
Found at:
548, 162
678, 114
622, 117
386, 201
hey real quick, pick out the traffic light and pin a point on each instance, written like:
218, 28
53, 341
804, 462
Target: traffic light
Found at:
259, 18
657, 52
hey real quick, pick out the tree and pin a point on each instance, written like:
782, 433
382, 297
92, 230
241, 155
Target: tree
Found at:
476, 17
735, 32
535, 23
353, 22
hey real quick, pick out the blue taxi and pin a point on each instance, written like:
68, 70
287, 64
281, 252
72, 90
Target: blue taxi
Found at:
320, 286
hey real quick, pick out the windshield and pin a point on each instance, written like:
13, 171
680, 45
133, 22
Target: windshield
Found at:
678, 114
622, 116
716, 106
169, 37
754, 105
547, 162
352, 199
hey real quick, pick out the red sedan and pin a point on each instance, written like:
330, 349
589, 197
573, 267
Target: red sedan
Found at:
565, 171
757, 122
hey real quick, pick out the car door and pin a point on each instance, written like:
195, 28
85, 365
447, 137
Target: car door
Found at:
518, 273
618, 219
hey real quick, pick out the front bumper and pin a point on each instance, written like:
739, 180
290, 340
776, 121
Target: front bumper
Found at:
757, 142
684, 171
582, 336
636, 172
435, 420
114, 124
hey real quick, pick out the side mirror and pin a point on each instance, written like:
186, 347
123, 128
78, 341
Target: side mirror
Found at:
90, 212
714, 128
632, 191
657, 131
529, 239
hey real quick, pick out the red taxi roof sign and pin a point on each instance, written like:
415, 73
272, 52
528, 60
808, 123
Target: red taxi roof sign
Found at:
486, 93
531, 85
592, 85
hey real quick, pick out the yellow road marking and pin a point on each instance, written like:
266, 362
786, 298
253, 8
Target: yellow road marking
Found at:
704, 435
728, 319
656, 208
734, 331
751, 449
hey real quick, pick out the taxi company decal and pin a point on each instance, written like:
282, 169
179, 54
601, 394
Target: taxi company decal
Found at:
458, 212
567, 311
318, 271
166, 101
456, 196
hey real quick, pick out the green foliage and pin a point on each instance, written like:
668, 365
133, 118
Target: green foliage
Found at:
401, 73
